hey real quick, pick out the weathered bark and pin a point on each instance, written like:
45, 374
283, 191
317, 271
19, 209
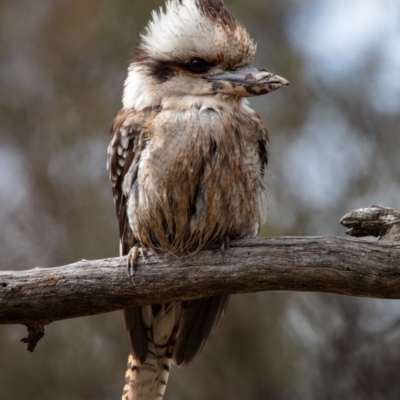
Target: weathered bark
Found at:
375, 220
352, 267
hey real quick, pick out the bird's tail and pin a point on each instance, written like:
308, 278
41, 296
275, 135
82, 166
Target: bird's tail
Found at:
148, 381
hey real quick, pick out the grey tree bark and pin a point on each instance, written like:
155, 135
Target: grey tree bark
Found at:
351, 267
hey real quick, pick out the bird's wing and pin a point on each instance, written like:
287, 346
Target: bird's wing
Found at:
263, 142
129, 139
199, 320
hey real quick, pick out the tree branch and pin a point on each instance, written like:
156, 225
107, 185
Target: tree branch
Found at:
375, 220
352, 267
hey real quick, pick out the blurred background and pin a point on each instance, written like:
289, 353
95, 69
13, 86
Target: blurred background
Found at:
335, 138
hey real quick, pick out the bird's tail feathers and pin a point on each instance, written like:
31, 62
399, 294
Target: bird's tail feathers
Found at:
148, 380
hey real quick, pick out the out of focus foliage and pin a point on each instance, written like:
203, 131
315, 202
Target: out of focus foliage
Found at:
335, 143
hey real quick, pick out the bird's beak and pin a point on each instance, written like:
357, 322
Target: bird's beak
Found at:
246, 82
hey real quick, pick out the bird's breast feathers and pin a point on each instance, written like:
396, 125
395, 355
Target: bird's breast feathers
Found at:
197, 179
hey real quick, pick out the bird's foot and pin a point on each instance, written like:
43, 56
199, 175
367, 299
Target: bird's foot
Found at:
225, 244
131, 260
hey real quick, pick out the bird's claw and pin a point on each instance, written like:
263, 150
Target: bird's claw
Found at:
131, 261
225, 244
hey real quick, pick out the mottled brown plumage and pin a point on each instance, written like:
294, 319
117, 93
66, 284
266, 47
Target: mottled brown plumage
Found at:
187, 161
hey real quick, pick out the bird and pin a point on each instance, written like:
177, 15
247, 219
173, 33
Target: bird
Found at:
186, 160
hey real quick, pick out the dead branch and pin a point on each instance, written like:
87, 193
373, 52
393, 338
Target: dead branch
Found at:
352, 267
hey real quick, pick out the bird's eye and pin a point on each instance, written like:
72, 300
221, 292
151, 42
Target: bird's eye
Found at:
198, 65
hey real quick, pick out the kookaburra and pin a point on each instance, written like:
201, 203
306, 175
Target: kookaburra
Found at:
187, 161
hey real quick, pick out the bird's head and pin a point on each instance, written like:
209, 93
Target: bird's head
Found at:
194, 48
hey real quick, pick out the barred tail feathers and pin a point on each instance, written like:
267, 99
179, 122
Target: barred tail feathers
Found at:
147, 380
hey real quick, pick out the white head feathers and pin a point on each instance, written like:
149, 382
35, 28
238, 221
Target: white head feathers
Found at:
196, 28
